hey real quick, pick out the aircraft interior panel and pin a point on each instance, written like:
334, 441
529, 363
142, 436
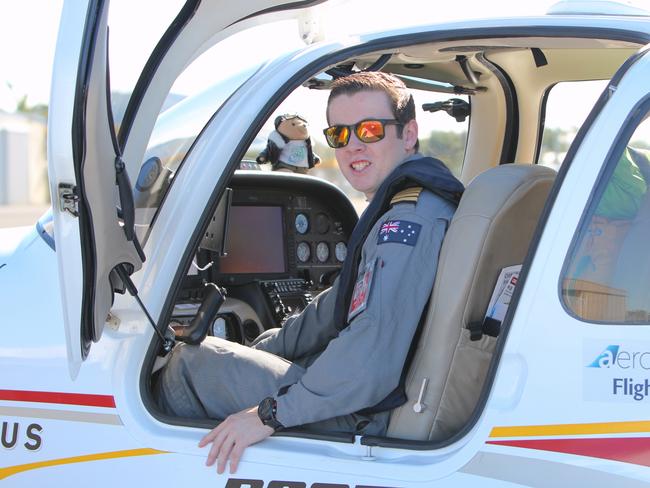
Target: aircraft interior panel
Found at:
274, 243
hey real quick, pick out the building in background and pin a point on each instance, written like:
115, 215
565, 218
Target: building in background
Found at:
23, 159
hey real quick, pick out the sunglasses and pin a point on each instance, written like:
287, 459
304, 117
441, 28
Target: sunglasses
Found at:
369, 130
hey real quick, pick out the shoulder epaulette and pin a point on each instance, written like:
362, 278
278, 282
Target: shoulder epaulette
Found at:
408, 195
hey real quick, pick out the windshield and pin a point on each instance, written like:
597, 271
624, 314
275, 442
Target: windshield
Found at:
174, 133
440, 135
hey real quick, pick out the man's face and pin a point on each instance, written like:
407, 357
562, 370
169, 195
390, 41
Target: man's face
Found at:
366, 165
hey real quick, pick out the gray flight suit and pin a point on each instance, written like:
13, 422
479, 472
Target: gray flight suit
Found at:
330, 374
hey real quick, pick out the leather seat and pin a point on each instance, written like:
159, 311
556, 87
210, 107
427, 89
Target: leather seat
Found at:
491, 229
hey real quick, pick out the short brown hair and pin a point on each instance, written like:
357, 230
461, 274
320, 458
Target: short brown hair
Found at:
401, 100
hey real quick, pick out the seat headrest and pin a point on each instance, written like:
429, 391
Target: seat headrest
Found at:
492, 228
489, 192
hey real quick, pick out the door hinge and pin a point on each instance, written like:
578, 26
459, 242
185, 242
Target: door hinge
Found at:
68, 199
113, 321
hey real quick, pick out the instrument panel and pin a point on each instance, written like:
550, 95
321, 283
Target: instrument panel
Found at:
325, 249
276, 240
284, 226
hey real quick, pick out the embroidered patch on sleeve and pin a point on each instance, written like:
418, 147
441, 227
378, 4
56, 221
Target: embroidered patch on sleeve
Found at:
362, 290
399, 231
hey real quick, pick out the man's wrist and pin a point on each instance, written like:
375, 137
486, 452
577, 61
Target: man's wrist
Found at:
266, 411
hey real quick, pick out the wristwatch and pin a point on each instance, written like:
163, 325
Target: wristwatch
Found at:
266, 411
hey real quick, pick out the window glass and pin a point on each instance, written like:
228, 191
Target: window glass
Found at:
607, 277
127, 58
174, 133
567, 107
196, 95
440, 135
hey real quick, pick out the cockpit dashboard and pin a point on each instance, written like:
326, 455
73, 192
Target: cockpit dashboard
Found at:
276, 241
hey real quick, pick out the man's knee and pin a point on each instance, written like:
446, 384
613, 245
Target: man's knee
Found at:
267, 334
176, 383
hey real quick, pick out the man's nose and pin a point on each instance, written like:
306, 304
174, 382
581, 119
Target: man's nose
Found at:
354, 144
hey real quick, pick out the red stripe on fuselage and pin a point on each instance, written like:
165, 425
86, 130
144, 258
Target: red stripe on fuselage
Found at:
635, 450
58, 397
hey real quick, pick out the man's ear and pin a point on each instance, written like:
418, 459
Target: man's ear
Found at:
410, 134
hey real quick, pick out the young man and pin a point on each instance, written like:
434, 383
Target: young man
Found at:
337, 366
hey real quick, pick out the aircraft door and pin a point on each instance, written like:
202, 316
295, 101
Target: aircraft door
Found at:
573, 380
89, 162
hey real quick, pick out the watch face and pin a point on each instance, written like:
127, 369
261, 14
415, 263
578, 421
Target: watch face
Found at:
265, 409
266, 412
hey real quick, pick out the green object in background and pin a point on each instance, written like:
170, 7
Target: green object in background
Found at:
626, 188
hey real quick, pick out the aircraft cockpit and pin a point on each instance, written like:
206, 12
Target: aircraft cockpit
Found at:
527, 363
275, 241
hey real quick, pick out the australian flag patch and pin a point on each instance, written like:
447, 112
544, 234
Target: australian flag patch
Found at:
399, 231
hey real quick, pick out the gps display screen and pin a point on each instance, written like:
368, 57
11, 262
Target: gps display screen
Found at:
254, 241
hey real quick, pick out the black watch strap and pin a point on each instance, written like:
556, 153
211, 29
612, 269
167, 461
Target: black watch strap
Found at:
266, 411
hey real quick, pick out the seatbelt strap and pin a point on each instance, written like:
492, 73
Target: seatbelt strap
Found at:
397, 397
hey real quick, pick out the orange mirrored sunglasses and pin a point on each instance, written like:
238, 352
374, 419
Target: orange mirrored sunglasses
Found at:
367, 131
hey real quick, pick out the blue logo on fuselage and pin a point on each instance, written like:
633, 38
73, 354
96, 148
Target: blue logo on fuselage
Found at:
606, 358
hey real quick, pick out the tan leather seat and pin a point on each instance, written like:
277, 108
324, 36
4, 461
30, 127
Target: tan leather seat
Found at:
491, 229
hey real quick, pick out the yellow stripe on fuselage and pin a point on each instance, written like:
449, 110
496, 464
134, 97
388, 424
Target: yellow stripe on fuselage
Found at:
11, 470
571, 429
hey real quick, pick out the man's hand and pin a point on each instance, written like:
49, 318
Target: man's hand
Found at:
232, 436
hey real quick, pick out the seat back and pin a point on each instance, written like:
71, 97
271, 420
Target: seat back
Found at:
491, 229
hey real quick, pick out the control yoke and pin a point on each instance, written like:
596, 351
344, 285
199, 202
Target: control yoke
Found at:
205, 316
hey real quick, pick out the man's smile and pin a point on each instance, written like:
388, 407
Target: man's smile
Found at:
360, 165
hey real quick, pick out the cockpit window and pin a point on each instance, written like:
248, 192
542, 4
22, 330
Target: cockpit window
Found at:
606, 279
440, 135
174, 133
194, 98
567, 106
128, 58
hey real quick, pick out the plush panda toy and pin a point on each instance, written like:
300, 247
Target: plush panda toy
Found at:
288, 147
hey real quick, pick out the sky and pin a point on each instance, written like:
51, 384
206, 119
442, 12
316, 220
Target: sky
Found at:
27, 51
29, 28
28, 31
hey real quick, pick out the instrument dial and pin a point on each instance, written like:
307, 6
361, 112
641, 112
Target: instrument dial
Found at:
322, 223
341, 251
303, 251
219, 328
322, 252
302, 223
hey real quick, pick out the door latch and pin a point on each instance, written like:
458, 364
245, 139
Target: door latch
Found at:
68, 199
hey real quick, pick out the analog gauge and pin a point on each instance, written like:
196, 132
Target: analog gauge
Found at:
322, 223
219, 328
322, 252
303, 251
302, 223
341, 251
